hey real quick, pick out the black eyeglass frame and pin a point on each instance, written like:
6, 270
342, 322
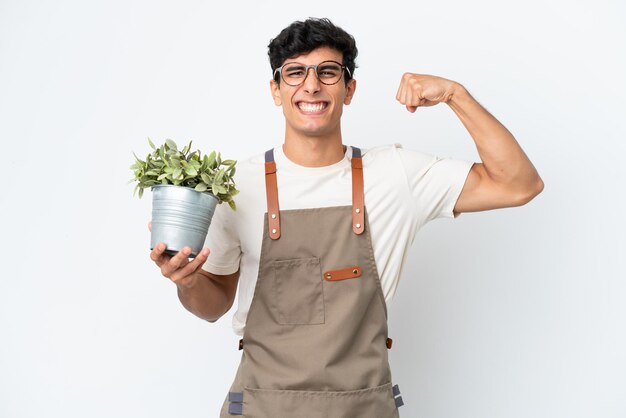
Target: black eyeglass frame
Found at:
306, 69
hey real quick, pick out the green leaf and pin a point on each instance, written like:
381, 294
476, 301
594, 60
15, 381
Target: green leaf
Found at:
140, 193
177, 173
151, 144
175, 162
211, 161
191, 171
232, 205
171, 144
205, 178
201, 187
228, 162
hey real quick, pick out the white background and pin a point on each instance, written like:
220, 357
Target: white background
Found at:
509, 313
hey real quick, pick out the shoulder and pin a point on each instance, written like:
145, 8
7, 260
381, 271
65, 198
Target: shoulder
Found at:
380, 151
395, 154
249, 179
250, 165
249, 174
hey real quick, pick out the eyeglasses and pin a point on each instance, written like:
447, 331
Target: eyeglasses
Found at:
327, 72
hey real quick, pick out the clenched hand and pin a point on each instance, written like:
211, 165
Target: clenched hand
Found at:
424, 90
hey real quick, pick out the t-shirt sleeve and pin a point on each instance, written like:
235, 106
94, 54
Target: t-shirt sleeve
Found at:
435, 182
223, 242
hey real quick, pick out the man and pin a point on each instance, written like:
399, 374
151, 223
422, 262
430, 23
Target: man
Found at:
322, 231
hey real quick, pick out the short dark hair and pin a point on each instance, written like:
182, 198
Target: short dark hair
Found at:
303, 37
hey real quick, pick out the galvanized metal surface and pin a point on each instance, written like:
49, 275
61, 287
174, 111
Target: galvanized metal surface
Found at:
180, 217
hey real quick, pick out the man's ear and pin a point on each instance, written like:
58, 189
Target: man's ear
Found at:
275, 89
350, 89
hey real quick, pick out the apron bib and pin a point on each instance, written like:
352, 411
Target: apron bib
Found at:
315, 342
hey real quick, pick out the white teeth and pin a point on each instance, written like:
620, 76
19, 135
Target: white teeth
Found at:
311, 107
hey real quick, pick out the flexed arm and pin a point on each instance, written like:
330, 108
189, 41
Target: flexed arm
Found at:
505, 177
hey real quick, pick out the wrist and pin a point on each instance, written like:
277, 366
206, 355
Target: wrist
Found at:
187, 284
458, 93
460, 98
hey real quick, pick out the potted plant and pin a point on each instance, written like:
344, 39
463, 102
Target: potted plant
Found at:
186, 187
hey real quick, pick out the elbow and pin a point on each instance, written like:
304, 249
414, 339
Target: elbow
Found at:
214, 319
531, 192
539, 186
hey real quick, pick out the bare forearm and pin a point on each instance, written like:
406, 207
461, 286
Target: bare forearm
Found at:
206, 298
504, 160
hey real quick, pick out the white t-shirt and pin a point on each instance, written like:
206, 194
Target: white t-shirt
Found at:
403, 191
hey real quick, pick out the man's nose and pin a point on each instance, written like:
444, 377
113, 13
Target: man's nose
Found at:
311, 84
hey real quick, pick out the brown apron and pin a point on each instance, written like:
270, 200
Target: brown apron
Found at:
315, 342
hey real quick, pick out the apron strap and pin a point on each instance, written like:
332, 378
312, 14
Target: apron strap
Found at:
358, 200
271, 190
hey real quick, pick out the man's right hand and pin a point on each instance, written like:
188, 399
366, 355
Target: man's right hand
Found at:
178, 268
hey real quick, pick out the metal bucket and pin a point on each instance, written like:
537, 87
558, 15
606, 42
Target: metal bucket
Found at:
180, 217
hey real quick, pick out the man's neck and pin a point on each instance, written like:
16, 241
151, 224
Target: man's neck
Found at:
314, 151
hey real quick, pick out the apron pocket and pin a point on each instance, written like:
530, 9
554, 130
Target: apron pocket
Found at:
375, 402
299, 291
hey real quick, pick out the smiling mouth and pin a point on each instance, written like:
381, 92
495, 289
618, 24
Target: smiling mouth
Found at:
312, 108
